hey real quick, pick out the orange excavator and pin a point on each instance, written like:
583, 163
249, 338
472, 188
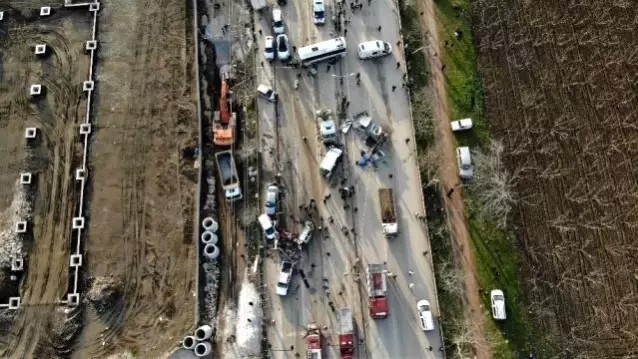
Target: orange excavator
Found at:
224, 121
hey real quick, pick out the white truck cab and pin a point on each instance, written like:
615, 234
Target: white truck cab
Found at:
328, 131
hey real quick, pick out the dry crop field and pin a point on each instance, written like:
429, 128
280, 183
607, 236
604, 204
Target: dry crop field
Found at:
561, 87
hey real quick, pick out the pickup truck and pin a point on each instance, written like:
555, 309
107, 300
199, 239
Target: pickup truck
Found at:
388, 213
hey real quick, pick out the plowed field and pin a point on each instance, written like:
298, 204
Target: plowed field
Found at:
561, 86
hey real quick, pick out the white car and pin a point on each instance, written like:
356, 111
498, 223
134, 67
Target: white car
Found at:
267, 92
277, 21
306, 234
269, 48
283, 49
461, 125
425, 315
464, 160
498, 304
319, 12
272, 195
285, 275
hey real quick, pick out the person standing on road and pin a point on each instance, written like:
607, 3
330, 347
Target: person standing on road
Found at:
379, 28
410, 272
394, 88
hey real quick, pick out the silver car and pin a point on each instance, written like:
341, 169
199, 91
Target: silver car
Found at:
272, 195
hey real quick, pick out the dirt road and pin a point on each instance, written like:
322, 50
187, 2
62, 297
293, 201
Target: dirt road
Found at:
449, 175
142, 199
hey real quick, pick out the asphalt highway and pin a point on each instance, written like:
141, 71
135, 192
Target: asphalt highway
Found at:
329, 258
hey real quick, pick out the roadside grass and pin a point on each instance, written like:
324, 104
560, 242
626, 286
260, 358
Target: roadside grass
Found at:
497, 258
463, 84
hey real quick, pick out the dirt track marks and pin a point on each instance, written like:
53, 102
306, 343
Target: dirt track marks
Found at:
141, 200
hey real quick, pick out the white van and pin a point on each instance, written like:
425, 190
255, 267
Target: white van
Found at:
267, 227
329, 161
373, 49
464, 160
425, 315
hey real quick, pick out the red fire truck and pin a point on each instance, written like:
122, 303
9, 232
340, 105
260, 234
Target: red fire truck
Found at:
313, 342
377, 283
346, 333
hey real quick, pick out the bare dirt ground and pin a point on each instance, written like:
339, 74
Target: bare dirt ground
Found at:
142, 198
560, 89
449, 176
34, 331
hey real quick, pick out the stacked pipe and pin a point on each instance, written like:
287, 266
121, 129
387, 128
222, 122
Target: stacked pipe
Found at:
200, 342
209, 238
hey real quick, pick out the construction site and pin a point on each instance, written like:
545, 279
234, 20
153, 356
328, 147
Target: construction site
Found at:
99, 177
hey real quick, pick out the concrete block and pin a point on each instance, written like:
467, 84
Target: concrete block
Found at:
76, 260
85, 129
40, 49
94, 6
31, 132
80, 174
87, 86
78, 223
73, 299
21, 227
25, 178
17, 264
45, 11
14, 303
91, 45
35, 90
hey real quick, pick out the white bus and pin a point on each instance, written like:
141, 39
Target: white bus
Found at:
324, 50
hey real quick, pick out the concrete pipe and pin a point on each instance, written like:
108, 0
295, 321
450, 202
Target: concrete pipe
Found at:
204, 332
189, 342
209, 237
203, 349
211, 251
210, 224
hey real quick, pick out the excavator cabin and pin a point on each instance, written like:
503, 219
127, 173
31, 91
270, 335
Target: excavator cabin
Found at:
224, 120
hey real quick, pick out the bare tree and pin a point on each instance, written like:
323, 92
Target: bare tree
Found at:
468, 335
492, 185
451, 279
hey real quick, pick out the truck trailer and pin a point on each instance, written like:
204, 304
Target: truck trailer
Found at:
388, 213
228, 175
377, 283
